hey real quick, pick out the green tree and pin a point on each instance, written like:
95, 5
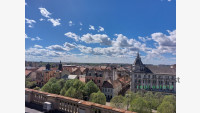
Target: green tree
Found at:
52, 86
140, 105
149, 97
63, 91
118, 102
68, 84
140, 93
79, 94
77, 84
158, 97
61, 82
46, 87
90, 88
129, 97
29, 83
52, 80
71, 92
37, 88
98, 97
55, 88
171, 99
166, 107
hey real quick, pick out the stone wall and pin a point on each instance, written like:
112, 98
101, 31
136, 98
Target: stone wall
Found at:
67, 104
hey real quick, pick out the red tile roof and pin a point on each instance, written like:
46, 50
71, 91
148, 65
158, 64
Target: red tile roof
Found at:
27, 72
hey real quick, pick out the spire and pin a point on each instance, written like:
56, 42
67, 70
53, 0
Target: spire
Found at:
138, 60
138, 55
60, 66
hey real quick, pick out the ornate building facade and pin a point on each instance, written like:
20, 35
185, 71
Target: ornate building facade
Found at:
158, 78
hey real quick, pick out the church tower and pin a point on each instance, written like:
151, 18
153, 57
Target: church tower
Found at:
48, 66
138, 66
60, 66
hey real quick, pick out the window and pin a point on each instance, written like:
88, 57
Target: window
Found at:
100, 75
149, 76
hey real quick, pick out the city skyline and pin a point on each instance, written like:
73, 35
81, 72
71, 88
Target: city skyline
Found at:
101, 32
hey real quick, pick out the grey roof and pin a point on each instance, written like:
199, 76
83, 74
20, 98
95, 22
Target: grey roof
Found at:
162, 69
107, 84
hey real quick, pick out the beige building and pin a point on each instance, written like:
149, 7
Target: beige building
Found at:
158, 78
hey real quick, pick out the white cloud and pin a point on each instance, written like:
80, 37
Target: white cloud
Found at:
103, 39
100, 29
55, 22
25, 3
36, 38
44, 12
30, 22
57, 48
72, 35
81, 23
144, 39
169, 0
123, 41
32, 39
91, 27
26, 36
42, 53
38, 46
80, 29
84, 49
109, 51
70, 23
166, 43
69, 46
66, 47
41, 19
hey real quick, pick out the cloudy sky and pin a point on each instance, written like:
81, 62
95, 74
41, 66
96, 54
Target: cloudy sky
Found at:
106, 31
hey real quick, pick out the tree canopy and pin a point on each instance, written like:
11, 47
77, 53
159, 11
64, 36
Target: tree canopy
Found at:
118, 102
90, 88
168, 104
166, 107
140, 105
98, 97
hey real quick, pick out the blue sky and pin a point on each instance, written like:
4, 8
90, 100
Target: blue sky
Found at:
100, 31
